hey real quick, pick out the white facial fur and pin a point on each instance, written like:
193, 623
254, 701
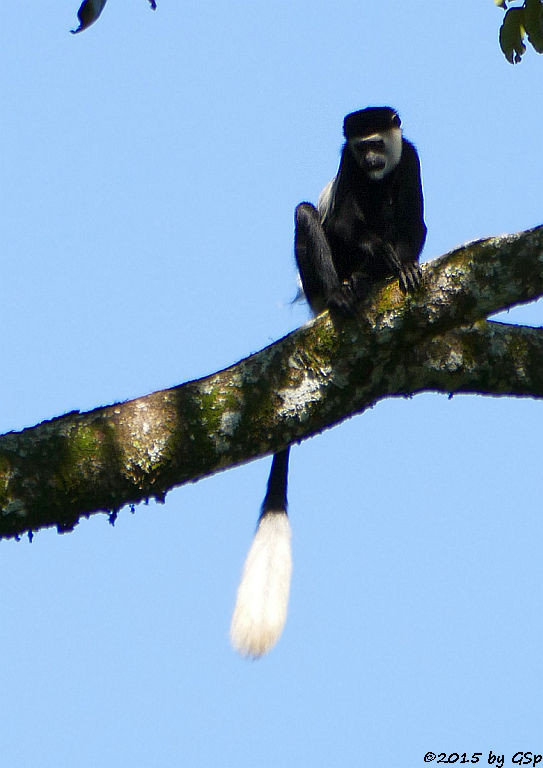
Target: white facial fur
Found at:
392, 139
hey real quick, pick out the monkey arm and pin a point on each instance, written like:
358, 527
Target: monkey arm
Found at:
410, 208
405, 238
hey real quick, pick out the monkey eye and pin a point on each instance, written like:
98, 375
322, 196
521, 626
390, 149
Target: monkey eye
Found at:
373, 145
396, 122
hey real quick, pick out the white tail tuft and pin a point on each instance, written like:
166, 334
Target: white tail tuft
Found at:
261, 604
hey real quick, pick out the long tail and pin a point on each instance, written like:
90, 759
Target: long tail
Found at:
262, 600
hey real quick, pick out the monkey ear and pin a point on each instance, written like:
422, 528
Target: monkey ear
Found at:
88, 12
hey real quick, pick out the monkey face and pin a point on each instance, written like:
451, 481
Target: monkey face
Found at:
377, 153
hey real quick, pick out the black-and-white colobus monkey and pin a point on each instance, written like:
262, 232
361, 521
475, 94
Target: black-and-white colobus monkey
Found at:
368, 226
369, 223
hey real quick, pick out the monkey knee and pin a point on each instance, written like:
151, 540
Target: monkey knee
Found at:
305, 214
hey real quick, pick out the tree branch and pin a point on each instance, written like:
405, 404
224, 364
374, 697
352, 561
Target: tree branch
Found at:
317, 376
487, 358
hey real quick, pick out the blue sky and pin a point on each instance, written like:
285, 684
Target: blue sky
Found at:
150, 170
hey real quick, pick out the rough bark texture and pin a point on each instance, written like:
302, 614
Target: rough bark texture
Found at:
315, 377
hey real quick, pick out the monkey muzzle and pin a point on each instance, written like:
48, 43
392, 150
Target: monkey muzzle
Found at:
374, 162
372, 153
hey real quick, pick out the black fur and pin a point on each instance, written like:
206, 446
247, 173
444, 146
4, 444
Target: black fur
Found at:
371, 229
367, 230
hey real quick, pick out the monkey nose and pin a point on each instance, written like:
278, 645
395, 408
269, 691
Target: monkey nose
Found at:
375, 162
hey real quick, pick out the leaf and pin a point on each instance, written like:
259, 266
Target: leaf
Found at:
88, 12
533, 19
512, 33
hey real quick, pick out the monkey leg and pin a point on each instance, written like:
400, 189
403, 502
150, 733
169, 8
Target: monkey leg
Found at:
318, 274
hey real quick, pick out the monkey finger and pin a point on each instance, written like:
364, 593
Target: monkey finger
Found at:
405, 279
392, 260
416, 275
409, 278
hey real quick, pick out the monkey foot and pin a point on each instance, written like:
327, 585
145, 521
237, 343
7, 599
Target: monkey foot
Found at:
343, 301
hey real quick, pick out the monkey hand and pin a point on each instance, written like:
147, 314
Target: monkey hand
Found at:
409, 272
410, 276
